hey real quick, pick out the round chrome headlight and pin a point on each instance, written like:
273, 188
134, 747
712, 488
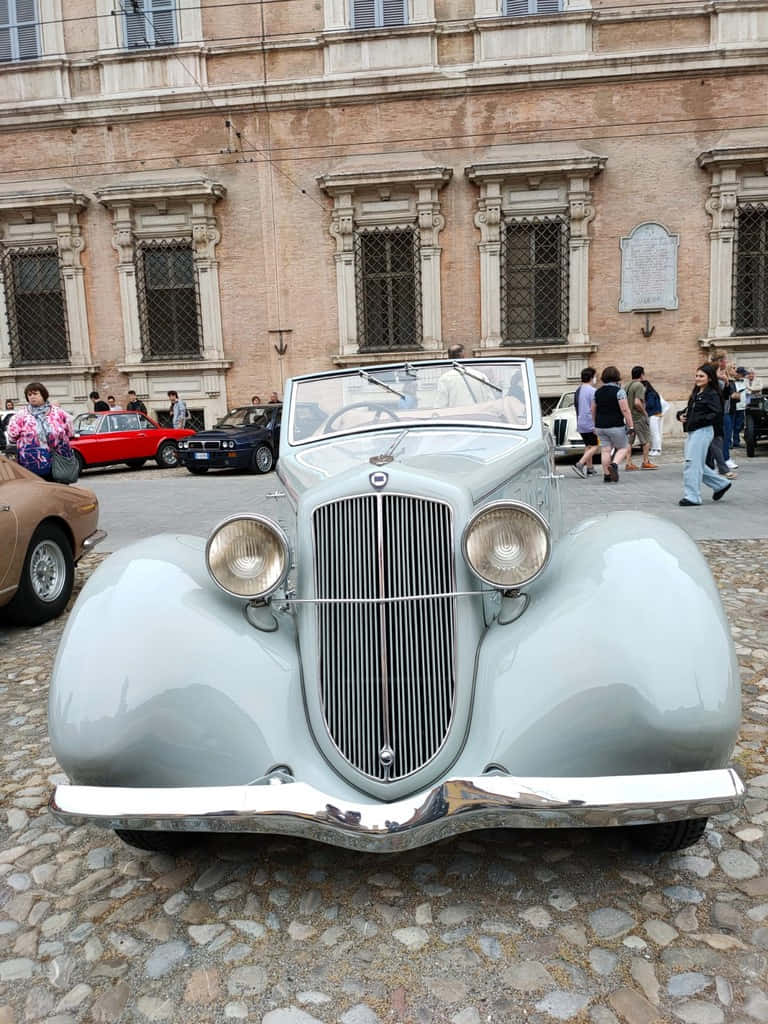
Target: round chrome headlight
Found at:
248, 556
506, 544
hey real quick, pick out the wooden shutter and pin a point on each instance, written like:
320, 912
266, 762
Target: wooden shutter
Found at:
548, 6
27, 29
516, 8
136, 27
363, 14
164, 22
394, 12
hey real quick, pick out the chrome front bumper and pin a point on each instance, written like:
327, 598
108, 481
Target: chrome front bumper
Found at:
278, 804
93, 539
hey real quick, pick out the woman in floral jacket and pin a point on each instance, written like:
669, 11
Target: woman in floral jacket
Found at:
39, 429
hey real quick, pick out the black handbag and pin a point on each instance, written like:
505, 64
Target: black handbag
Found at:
65, 469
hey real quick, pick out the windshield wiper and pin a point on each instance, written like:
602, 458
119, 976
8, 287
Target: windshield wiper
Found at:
375, 380
475, 376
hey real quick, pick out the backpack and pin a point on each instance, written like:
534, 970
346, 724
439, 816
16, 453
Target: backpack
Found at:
652, 400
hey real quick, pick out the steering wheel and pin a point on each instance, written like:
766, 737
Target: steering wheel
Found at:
378, 410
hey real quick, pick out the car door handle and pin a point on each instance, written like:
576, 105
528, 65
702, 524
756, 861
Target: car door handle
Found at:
5, 508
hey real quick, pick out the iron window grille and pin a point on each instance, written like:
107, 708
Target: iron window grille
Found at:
35, 304
379, 13
168, 298
750, 270
149, 23
388, 287
534, 280
19, 36
517, 8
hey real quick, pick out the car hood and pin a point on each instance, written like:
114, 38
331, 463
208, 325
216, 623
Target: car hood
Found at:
231, 433
478, 459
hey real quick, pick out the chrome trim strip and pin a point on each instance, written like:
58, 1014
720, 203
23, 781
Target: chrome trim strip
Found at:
457, 805
384, 600
93, 539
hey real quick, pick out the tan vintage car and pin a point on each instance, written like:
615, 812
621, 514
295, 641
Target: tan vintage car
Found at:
44, 529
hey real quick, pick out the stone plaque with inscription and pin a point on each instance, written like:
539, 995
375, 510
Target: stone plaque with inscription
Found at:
649, 269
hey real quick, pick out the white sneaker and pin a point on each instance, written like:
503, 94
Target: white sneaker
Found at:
655, 451
731, 464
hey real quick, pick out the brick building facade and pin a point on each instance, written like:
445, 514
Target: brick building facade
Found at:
214, 196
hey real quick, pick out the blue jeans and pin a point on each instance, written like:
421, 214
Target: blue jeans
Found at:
695, 469
727, 432
738, 426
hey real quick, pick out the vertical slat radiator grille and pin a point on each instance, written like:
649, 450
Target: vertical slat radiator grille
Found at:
386, 667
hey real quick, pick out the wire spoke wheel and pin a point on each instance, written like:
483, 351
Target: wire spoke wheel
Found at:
47, 571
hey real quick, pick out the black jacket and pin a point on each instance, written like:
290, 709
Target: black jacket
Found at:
705, 409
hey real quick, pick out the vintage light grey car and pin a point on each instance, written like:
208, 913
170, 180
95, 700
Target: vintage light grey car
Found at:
400, 643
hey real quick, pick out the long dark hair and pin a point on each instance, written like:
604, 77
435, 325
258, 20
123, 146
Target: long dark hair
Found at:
711, 372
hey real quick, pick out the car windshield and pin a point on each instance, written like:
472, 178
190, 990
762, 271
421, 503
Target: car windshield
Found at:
87, 423
477, 392
248, 416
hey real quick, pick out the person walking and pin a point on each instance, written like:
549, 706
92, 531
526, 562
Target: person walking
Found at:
40, 429
636, 400
703, 409
178, 411
725, 376
135, 404
585, 425
612, 418
4, 421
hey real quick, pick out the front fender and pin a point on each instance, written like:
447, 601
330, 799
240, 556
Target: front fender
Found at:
622, 663
161, 681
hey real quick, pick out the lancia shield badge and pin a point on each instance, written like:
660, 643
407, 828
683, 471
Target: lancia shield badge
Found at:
379, 479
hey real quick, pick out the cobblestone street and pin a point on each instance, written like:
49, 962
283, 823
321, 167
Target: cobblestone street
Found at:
499, 927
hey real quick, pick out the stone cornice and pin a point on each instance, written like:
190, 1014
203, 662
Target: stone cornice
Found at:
363, 87
337, 182
584, 165
733, 156
152, 191
53, 199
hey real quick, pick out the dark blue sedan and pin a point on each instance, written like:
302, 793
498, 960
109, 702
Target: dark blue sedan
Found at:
246, 438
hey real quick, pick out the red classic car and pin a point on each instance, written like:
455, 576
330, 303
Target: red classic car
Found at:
104, 438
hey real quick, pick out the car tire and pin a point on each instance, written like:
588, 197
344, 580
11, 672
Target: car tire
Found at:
167, 455
80, 462
198, 470
47, 578
669, 835
135, 463
750, 436
263, 460
154, 842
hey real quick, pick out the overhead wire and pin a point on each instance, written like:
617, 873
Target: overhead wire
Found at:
675, 10
180, 7
444, 142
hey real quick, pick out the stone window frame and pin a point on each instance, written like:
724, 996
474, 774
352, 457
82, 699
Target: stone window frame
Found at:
49, 218
528, 185
111, 27
387, 198
495, 9
738, 173
171, 209
337, 15
50, 33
